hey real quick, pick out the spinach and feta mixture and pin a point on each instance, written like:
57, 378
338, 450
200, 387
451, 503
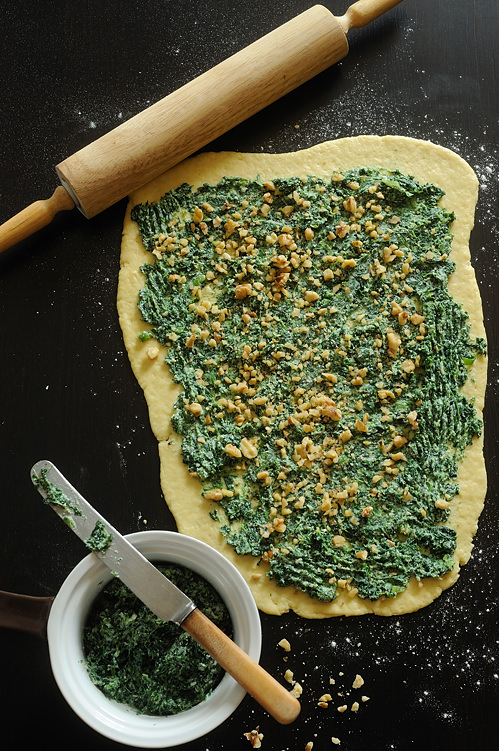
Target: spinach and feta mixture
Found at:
100, 539
135, 658
321, 358
54, 496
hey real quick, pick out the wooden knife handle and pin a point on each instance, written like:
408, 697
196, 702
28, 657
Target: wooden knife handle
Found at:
33, 218
25, 613
273, 697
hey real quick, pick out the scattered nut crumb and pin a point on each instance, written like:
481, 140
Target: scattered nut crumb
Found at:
342, 708
365, 698
355, 706
309, 746
335, 740
255, 737
284, 643
358, 682
296, 691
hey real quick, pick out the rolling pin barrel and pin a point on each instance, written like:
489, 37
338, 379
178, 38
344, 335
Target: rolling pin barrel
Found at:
156, 139
161, 136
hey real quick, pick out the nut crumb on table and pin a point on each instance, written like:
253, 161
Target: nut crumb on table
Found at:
255, 737
297, 690
358, 682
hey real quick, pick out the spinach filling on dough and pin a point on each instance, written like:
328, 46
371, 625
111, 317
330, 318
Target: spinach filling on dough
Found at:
321, 359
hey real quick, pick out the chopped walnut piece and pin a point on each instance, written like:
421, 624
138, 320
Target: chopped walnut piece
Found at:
350, 204
310, 295
242, 291
152, 352
255, 738
195, 408
345, 435
412, 419
360, 426
248, 449
329, 410
296, 691
232, 451
417, 319
358, 681
215, 494
442, 504
408, 366
393, 343
399, 441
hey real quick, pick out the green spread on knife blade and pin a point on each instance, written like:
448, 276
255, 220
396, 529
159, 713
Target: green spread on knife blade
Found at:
99, 540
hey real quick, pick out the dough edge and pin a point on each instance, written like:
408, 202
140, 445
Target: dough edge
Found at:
427, 162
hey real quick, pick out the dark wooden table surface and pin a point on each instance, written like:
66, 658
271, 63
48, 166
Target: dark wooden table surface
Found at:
71, 71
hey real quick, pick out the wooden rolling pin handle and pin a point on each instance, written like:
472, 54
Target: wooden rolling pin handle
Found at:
274, 698
363, 12
33, 218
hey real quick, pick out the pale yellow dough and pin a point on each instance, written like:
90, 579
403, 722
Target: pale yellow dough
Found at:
427, 163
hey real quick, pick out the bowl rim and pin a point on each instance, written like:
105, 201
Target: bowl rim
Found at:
117, 721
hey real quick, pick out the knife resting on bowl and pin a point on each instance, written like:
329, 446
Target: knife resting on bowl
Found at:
159, 594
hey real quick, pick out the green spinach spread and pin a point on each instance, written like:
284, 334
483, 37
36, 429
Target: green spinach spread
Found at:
321, 359
153, 666
56, 497
100, 539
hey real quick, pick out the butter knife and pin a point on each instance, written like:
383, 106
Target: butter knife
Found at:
156, 591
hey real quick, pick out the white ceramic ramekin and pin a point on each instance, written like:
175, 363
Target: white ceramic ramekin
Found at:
118, 721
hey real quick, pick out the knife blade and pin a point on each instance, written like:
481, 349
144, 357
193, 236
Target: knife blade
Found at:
126, 562
157, 592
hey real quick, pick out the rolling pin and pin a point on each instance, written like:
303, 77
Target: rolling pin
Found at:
153, 141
